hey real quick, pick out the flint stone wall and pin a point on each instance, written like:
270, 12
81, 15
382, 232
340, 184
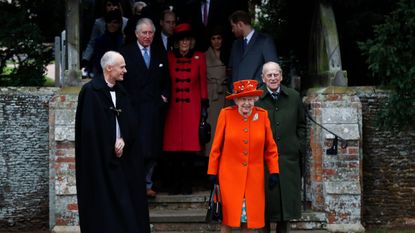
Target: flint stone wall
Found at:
24, 158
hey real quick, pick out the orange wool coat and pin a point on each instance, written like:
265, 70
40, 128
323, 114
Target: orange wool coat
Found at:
238, 152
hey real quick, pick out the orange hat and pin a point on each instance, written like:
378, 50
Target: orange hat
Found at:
244, 88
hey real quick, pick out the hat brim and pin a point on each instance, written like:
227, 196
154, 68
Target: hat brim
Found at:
245, 94
180, 35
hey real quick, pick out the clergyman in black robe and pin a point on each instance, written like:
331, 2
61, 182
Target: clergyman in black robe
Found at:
109, 173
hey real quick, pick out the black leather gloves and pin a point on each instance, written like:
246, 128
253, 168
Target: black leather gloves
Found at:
213, 179
273, 180
205, 103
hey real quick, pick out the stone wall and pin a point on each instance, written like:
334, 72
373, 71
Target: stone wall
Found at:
63, 203
25, 166
24, 158
335, 172
388, 168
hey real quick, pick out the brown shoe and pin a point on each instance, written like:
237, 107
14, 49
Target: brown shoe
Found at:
151, 193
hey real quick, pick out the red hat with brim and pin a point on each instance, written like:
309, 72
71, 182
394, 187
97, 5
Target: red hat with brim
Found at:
183, 30
244, 88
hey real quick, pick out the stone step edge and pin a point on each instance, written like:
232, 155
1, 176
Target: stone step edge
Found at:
200, 197
198, 215
75, 229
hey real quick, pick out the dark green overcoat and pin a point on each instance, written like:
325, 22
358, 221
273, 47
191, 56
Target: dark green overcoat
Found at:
287, 118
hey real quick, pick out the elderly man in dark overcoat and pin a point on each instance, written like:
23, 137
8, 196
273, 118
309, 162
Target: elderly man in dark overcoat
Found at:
147, 83
286, 114
109, 174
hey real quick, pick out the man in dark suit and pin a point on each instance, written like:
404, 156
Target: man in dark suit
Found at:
205, 15
288, 124
147, 84
251, 49
167, 25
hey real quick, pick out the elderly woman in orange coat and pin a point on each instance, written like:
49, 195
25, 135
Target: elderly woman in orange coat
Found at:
243, 141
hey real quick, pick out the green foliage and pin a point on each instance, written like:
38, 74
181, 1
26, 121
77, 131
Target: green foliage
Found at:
391, 58
21, 47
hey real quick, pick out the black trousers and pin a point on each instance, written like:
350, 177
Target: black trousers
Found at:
180, 172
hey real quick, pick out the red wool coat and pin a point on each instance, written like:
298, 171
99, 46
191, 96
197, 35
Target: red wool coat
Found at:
188, 88
238, 152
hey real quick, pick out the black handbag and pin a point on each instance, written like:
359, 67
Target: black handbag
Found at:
204, 128
214, 212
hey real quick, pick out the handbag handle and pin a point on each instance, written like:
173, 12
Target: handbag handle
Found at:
215, 191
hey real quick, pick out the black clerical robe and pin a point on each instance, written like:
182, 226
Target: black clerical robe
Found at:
110, 190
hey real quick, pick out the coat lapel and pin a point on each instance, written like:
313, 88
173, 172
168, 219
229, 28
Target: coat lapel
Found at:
251, 43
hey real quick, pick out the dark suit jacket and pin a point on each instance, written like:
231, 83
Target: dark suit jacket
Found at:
248, 64
145, 86
219, 11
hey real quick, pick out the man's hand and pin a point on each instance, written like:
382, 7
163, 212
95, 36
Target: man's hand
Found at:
119, 147
273, 180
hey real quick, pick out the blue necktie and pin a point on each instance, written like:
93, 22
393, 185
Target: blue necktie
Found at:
146, 57
245, 44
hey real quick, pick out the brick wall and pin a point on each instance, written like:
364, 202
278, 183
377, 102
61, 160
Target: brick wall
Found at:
63, 203
25, 195
24, 158
335, 179
388, 169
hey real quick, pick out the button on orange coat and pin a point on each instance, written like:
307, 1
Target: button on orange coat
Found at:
240, 165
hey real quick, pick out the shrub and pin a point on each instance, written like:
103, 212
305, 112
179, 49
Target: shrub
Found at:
391, 58
21, 47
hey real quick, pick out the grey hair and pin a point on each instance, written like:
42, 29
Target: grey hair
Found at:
109, 58
142, 21
271, 63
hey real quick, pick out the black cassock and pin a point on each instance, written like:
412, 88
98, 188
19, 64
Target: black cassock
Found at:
111, 191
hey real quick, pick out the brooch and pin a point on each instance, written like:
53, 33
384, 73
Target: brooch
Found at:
196, 57
255, 117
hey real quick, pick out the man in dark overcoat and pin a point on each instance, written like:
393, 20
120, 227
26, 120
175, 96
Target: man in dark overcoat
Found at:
148, 84
286, 114
109, 173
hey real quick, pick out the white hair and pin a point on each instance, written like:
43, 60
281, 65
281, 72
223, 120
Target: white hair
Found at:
109, 58
143, 21
271, 64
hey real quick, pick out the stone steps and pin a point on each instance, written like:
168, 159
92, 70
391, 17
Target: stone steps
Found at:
186, 213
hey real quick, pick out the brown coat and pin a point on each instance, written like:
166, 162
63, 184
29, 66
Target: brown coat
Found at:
239, 150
